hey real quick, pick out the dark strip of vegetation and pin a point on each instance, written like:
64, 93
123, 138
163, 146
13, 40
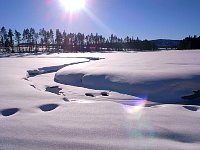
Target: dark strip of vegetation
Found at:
190, 43
48, 41
195, 95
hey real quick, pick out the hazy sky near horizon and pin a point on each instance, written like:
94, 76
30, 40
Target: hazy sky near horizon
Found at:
146, 19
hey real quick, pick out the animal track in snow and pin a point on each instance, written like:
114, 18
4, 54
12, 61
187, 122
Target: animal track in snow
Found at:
48, 107
9, 111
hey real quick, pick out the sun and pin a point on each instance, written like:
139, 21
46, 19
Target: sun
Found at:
73, 5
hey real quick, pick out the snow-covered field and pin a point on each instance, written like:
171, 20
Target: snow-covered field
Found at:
100, 101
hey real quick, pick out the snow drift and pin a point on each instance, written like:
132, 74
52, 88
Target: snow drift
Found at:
160, 76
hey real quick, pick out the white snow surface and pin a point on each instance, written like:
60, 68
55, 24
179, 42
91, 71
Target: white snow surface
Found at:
99, 101
160, 76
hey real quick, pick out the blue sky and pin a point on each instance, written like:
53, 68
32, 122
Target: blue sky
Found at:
146, 19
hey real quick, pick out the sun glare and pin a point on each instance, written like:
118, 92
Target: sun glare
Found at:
73, 5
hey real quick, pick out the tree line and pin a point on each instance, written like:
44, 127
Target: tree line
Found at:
190, 43
60, 41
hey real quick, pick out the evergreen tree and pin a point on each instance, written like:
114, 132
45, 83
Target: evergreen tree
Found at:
79, 42
47, 40
10, 36
58, 39
26, 36
36, 37
64, 35
7, 45
32, 35
51, 36
4, 35
17, 39
42, 34
1, 42
190, 43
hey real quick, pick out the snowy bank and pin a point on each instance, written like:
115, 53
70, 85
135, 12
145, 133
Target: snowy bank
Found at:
162, 77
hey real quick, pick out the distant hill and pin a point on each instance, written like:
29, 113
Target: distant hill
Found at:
166, 43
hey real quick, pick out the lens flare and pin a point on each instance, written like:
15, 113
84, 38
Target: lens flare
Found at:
98, 22
135, 105
139, 128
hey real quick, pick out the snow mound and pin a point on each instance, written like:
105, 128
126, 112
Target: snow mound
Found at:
162, 77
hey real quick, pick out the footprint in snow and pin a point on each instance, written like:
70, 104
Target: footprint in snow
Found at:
104, 93
97, 94
89, 94
9, 111
48, 107
26, 79
33, 86
65, 99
